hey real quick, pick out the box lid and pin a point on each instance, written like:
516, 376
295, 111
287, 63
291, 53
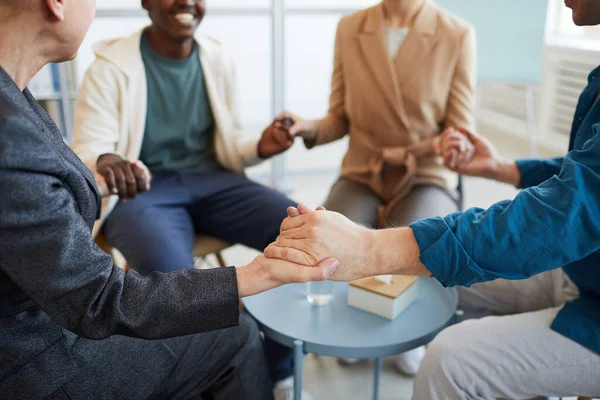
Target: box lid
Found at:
399, 284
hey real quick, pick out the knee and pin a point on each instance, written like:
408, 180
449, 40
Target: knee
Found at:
449, 356
248, 335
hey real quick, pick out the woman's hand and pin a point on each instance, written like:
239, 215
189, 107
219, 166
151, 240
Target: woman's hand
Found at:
300, 127
455, 148
264, 274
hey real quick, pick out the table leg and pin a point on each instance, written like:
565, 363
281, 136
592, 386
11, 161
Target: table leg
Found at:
378, 367
298, 358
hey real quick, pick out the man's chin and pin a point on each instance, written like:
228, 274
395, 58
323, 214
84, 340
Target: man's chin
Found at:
184, 34
583, 19
182, 38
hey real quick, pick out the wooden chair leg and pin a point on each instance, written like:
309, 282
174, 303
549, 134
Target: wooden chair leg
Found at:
220, 259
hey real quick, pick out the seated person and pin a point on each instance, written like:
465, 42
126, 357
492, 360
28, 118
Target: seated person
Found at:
403, 71
161, 99
531, 266
74, 325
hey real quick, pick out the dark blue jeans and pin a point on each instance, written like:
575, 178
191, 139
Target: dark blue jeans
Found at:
156, 230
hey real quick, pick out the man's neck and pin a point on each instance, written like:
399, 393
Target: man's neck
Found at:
19, 56
401, 13
167, 47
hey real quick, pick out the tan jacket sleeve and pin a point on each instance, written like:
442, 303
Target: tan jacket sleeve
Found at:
461, 101
335, 124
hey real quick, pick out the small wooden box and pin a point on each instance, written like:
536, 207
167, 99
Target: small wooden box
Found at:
385, 300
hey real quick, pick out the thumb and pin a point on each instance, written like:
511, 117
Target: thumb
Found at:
295, 130
473, 137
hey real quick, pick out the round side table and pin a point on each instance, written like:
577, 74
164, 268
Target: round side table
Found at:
338, 330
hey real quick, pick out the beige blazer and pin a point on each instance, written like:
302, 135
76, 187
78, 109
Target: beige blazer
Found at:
110, 113
392, 109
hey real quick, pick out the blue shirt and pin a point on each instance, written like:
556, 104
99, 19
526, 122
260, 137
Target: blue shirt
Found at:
179, 130
554, 222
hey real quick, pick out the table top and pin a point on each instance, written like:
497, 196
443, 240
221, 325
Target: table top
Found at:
338, 330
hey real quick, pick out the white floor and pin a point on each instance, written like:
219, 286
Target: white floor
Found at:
325, 379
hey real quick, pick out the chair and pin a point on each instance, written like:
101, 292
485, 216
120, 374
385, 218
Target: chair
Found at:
460, 190
203, 246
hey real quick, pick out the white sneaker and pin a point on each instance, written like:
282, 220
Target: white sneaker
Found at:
408, 363
348, 361
284, 390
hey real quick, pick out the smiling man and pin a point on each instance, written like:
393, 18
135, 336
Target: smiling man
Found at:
161, 105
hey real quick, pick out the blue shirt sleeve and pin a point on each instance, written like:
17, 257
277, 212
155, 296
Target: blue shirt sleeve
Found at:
545, 227
535, 171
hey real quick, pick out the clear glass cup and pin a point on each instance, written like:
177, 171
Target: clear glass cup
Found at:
319, 293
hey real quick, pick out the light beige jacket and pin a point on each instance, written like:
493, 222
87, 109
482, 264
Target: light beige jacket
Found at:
392, 109
110, 113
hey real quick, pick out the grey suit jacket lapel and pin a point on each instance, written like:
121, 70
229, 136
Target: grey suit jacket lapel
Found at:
27, 103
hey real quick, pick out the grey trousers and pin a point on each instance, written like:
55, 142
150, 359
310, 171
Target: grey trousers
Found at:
513, 356
226, 364
360, 204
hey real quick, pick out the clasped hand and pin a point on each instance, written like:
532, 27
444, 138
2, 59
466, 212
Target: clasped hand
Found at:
308, 237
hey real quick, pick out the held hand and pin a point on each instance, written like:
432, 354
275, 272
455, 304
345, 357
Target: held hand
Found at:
484, 161
454, 147
309, 237
125, 178
275, 139
267, 273
300, 127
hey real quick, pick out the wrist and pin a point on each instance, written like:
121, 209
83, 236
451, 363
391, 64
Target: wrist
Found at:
380, 243
259, 151
244, 281
506, 171
310, 130
397, 252
253, 279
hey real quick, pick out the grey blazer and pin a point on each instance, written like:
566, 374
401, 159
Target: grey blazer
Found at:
55, 283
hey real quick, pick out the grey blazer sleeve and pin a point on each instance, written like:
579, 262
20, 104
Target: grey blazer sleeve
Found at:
46, 248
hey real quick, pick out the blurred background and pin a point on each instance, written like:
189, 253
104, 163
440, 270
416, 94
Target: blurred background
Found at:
283, 51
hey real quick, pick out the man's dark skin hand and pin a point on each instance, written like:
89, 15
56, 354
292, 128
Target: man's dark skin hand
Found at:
276, 138
125, 178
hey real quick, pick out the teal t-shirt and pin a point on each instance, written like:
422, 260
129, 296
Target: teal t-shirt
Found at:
179, 129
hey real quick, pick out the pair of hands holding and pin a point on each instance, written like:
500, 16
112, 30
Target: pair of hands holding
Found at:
465, 152
319, 245
127, 179
279, 136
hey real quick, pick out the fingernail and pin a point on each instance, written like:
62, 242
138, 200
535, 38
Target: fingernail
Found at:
331, 266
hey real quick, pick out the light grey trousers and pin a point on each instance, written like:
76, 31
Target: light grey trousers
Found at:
513, 356
360, 204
